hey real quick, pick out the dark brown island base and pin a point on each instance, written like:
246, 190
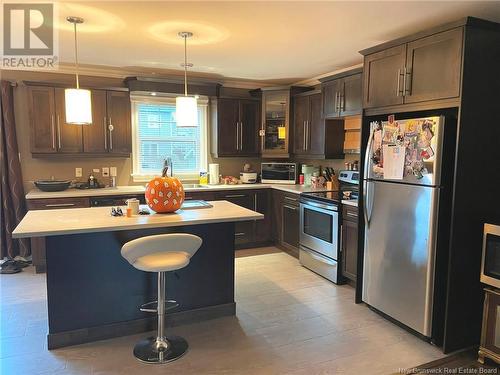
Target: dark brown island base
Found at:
93, 293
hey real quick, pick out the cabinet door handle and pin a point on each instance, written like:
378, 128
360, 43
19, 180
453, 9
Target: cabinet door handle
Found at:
235, 196
351, 214
342, 101
105, 135
304, 137
255, 202
291, 199
53, 129
60, 205
111, 128
58, 133
336, 100
406, 80
241, 135
290, 207
398, 91
341, 247
237, 135
239, 234
307, 135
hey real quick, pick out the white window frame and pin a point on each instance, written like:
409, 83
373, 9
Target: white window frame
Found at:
137, 176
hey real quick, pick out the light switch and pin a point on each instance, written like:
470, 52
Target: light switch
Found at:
112, 171
105, 171
78, 172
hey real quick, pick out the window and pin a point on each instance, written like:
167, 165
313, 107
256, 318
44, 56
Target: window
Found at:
156, 137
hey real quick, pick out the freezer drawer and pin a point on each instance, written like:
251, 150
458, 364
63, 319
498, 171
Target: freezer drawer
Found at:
326, 267
400, 251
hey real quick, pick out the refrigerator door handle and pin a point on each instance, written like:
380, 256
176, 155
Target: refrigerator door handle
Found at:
367, 202
365, 211
368, 153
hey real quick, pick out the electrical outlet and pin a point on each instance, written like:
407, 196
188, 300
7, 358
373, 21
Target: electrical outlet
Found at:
112, 171
78, 172
105, 171
96, 170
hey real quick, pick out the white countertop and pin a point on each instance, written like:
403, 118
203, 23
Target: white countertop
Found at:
126, 190
98, 219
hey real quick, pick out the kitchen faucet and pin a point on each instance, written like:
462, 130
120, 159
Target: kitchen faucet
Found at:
168, 168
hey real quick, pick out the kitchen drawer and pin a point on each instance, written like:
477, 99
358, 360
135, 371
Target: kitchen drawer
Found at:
201, 195
244, 232
349, 213
56, 203
291, 199
241, 198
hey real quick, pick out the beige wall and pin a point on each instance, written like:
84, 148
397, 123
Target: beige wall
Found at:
63, 167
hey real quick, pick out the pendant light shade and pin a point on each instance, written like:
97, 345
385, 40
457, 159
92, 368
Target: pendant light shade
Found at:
78, 102
78, 106
186, 111
186, 107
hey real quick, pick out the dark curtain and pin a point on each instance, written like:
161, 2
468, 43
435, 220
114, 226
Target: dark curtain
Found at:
13, 204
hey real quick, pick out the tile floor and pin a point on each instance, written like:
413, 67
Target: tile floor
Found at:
289, 321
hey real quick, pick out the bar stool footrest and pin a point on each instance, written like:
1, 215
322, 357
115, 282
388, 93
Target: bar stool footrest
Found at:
152, 306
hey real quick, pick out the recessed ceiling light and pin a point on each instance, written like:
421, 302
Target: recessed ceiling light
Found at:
167, 32
153, 94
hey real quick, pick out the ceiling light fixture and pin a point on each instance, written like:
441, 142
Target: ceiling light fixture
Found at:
78, 101
186, 108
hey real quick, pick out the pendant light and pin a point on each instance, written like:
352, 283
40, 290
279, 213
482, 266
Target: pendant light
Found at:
186, 108
77, 101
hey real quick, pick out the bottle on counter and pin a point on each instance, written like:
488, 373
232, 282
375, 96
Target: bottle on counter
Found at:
203, 178
301, 179
91, 181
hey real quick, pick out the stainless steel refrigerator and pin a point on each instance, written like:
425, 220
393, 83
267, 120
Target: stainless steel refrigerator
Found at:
401, 199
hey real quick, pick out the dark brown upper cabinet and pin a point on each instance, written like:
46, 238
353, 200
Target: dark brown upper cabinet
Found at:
109, 133
119, 122
68, 136
425, 69
95, 136
342, 94
315, 137
433, 67
235, 129
41, 106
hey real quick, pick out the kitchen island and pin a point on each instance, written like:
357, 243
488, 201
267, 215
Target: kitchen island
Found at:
93, 293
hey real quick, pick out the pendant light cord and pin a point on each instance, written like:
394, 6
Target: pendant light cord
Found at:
185, 67
76, 59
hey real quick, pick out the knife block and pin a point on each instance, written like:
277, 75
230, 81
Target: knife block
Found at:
333, 184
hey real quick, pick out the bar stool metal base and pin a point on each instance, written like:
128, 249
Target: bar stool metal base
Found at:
147, 350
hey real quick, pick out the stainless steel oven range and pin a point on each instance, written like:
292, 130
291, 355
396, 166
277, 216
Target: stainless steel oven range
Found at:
319, 233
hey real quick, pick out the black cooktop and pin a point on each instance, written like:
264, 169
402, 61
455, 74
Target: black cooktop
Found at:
330, 196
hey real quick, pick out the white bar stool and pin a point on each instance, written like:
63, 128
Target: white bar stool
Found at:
161, 253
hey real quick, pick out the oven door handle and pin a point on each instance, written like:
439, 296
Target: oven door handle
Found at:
318, 257
323, 206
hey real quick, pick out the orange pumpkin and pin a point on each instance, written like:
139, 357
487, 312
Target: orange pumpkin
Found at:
164, 194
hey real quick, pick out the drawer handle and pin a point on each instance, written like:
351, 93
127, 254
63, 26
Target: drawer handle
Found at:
60, 205
240, 234
290, 207
188, 198
235, 196
352, 214
291, 199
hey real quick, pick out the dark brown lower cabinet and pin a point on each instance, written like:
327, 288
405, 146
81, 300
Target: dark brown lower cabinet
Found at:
291, 224
490, 334
38, 243
349, 244
286, 221
255, 232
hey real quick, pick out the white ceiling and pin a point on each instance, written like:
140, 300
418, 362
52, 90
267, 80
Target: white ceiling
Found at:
260, 40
